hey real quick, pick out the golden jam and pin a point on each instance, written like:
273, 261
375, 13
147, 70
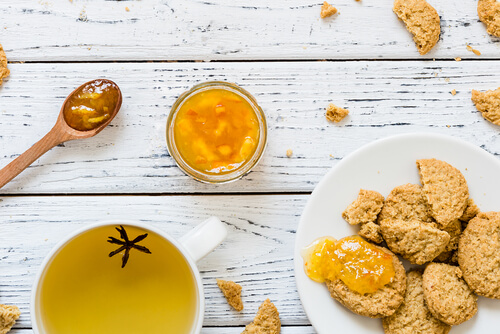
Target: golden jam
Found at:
363, 267
216, 131
91, 105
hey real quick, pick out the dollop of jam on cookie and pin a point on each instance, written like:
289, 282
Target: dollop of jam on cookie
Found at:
92, 105
362, 266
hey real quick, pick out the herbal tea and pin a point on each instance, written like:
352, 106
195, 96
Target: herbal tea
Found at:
85, 289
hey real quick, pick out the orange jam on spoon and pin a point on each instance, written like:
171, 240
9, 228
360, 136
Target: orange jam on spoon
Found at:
92, 105
216, 131
363, 267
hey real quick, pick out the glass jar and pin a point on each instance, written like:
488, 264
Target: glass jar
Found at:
211, 177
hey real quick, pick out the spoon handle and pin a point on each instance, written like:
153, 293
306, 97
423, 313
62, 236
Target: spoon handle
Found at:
51, 139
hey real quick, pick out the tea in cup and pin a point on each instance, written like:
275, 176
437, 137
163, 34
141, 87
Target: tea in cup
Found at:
124, 277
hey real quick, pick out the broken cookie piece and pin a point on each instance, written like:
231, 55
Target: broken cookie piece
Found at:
422, 20
365, 208
445, 189
371, 232
232, 292
414, 316
406, 202
267, 320
489, 14
4, 71
488, 103
327, 10
8, 316
335, 114
416, 241
470, 211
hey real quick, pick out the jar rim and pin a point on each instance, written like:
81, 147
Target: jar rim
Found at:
237, 173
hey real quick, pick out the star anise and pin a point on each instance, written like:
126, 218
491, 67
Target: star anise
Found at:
127, 245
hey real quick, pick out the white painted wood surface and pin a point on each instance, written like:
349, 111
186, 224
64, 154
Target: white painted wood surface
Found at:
384, 98
258, 252
91, 30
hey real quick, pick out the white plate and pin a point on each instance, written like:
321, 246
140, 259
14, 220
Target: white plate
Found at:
381, 166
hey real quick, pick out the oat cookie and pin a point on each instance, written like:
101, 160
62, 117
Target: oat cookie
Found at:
421, 20
479, 254
335, 114
4, 71
416, 241
488, 103
413, 316
406, 202
379, 304
365, 208
447, 295
8, 316
232, 292
489, 14
371, 232
267, 320
445, 189
327, 10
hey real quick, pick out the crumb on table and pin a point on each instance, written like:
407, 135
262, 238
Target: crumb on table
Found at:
335, 114
289, 153
327, 10
453, 92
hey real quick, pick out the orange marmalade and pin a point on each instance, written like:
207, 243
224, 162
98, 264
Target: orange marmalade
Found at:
216, 131
91, 105
363, 267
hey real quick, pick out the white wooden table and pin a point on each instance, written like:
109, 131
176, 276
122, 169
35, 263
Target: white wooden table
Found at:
294, 64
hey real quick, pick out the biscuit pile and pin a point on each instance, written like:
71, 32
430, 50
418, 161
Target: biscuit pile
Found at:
435, 225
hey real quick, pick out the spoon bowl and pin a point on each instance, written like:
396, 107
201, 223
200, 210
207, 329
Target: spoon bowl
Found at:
60, 133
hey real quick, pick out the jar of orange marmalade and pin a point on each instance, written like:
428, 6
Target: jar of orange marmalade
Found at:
216, 132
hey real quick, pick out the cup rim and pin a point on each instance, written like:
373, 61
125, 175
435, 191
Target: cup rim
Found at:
53, 252
238, 172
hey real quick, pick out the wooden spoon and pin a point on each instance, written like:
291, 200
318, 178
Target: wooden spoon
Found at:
60, 133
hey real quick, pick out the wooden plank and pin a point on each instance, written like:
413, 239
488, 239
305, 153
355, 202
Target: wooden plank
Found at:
218, 330
258, 252
89, 30
384, 98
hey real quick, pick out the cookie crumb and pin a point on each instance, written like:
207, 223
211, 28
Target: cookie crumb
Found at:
8, 316
335, 114
127, 9
266, 321
458, 59
327, 10
331, 156
232, 292
453, 92
476, 52
447, 79
289, 153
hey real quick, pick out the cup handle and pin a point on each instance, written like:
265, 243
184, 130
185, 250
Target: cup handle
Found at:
203, 239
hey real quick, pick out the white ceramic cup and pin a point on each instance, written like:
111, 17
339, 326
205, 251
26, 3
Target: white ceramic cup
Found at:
195, 245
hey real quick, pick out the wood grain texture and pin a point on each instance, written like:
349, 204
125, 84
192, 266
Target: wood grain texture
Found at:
384, 98
258, 252
89, 30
